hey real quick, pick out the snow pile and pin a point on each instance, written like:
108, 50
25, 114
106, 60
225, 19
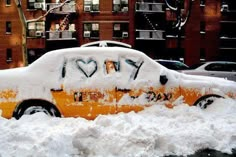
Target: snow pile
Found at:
156, 131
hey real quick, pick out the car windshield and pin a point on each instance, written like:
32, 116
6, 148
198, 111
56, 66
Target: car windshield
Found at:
174, 65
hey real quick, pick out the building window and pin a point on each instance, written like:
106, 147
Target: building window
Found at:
36, 4
202, 55
120, 5
8, 2
202, 3
91, 30
202, 27
9, 55
224, 6
8, 27
120, 30
36, 29
91, 5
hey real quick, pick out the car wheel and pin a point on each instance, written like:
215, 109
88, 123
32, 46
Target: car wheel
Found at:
206, 100
34, 106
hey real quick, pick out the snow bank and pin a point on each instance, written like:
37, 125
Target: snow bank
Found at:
156, 131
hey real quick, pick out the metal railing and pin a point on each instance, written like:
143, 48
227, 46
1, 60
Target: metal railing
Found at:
61, 35
149, 7
67, 8
150, 35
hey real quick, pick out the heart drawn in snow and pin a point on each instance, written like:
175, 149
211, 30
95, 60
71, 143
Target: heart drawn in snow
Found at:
88, 68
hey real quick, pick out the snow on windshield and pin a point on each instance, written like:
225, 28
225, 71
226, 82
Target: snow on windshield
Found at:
156, 131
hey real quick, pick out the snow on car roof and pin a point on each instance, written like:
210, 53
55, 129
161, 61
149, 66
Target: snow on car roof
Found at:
106, 43
49, 61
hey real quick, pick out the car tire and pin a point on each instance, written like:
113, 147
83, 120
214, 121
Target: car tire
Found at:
34, 106
206, 100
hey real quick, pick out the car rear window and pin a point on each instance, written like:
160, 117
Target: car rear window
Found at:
173, 65
230, 67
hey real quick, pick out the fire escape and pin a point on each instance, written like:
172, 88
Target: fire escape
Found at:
60, 26
227, 39
150, 26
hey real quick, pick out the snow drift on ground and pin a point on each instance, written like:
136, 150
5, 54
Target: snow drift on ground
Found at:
156, 131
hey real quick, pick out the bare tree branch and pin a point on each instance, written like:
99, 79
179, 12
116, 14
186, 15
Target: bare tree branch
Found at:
182, 22
169, 6
39, 18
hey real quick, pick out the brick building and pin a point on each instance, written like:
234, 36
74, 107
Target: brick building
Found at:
144, 24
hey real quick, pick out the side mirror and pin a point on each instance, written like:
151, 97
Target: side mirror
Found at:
163, 79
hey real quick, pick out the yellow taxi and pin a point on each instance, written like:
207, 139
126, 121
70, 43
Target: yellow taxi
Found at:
89, 81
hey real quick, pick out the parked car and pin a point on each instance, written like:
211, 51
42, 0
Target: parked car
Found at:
223, 69
89, 81
173, 64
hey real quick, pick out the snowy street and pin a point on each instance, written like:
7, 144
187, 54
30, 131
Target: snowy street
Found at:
156, 131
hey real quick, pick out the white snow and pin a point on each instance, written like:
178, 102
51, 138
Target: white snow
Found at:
156, 131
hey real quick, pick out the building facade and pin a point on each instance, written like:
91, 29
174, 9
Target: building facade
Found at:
147, 25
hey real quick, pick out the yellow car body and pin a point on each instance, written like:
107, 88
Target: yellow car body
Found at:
89, 81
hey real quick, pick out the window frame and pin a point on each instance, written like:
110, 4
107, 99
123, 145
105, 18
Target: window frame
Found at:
38, 26
9, 55
31, 5
8, 2
94, 34
118, 34
202, 3
202, 27
93, 7
8, 27
123, 6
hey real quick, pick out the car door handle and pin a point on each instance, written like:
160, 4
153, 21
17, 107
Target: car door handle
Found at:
56, 90
123, 89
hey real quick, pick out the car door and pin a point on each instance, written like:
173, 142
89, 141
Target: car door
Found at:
223, 70
230, 68
84, 92
144, 83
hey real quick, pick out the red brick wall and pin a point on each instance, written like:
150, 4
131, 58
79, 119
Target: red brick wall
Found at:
192, 43
209, 41
106, 18
13, 40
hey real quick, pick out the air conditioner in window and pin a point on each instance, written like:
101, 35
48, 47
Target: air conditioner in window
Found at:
125, 9
224, 8
38, 5
87, 8
38, 33
125, 34
87, 34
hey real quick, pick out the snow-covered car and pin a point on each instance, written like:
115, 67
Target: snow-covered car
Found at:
173, 64
223, 69
89, 81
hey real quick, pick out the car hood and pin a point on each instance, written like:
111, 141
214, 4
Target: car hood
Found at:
9, 78
12, 72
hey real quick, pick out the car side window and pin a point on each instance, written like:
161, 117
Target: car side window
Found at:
215, 67
63, 71
136, 66
80, 68
87, 66
111, 66
230, 67
130, 67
